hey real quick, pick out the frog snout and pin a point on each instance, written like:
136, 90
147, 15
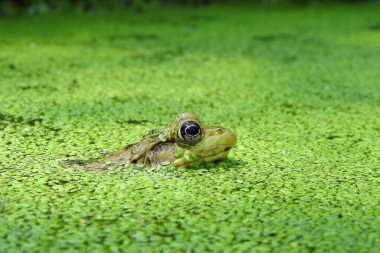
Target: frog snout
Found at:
232, 139
219, 130
221, 136
216, 144
212, 131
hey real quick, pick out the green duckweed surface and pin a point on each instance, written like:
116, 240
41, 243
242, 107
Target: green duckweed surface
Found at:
299, 86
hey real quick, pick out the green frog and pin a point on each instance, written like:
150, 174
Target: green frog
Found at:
184, 143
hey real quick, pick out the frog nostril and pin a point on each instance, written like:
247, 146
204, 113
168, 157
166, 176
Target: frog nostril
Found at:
227, 148
219, 130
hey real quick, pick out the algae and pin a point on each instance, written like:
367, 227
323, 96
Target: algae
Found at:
299, 86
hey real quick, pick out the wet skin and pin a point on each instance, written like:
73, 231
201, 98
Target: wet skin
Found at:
184, 143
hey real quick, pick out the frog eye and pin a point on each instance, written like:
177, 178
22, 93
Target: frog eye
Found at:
190, 132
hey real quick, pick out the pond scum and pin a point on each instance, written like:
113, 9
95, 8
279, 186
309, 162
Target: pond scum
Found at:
299, 86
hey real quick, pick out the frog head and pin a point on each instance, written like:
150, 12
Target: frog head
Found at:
186, 142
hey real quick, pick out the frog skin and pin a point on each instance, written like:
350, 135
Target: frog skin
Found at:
184, 143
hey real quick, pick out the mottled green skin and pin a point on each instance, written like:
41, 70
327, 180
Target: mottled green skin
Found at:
163, 147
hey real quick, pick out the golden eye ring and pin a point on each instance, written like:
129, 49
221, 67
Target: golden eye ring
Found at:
190, 132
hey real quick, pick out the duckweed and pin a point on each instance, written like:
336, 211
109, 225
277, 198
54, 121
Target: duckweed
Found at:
299, 86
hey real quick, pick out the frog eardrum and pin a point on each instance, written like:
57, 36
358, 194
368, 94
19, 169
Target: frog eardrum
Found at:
184, 143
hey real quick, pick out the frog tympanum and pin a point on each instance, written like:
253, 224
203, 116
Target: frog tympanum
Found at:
184, 143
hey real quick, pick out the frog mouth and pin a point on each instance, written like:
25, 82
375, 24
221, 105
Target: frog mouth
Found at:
215, 157
217, 152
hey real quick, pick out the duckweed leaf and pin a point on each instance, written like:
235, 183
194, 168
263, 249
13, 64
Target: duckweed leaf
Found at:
299, 87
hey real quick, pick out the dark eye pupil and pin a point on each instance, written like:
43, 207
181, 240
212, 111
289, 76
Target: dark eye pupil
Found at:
192, 130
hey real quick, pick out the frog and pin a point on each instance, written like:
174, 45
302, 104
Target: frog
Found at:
182, 144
